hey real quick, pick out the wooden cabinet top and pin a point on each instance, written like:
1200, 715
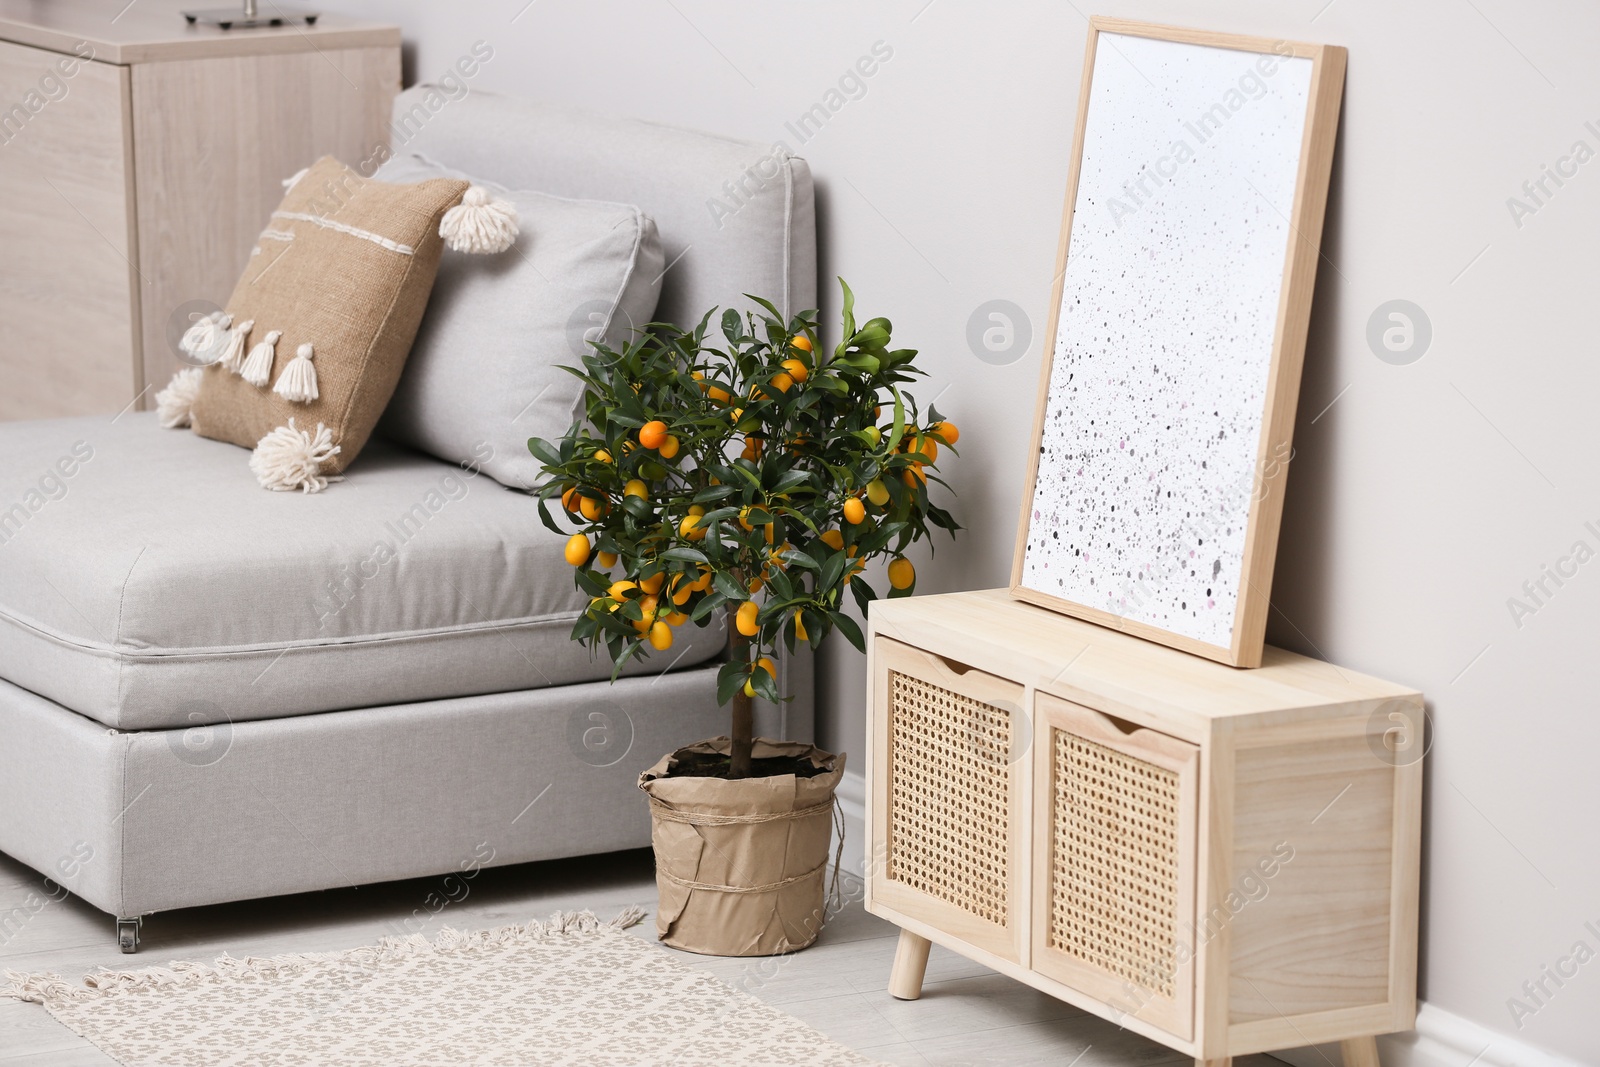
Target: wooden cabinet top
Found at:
992, 632
148, 30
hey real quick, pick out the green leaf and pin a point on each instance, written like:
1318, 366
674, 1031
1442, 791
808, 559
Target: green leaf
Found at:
625, 653
791, 479
549, 520
796, 558
730, 679
943, 519
728, 587
592, 581
766, 304
864, 595
899, 430
712, 492
872, 335
817, 625
707, 605
687, 555
615, 627
848, 627
848, 314
544, 451
732, 325
765, 685
780, 588
831, 572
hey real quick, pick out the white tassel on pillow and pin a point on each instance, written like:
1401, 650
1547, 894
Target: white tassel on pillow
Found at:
298, 382
174, 403
480, 223
233, 355
294, 179
291, 458
204, 341
257, 369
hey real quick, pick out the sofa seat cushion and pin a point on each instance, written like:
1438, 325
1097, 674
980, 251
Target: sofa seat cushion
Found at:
145, 583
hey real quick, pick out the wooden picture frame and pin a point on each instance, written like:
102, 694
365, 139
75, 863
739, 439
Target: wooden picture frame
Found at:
1259, 361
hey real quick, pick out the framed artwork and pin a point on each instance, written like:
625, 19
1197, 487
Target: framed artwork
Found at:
1178, 317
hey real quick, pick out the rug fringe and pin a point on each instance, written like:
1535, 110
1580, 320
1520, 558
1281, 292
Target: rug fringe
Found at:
52, 989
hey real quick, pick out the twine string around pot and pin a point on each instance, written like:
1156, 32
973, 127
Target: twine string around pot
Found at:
669, 813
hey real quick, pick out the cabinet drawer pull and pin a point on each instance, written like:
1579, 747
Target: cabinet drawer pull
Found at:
1127, 728
954, 666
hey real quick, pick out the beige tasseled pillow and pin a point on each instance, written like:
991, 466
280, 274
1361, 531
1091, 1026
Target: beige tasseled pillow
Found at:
319, 326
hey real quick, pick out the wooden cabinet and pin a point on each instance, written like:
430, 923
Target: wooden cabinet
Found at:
139, 159
1223, 860
69, 312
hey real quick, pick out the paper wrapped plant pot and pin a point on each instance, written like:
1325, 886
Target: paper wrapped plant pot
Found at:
741, 865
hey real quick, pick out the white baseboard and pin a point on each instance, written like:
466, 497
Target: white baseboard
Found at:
852, 794
1441, 1039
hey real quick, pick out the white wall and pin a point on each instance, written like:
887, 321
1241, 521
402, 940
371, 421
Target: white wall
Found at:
1419, 502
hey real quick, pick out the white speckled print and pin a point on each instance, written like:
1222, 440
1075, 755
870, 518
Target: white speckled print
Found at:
1164, 343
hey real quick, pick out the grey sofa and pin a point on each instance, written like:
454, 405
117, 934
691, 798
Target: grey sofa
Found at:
205, 696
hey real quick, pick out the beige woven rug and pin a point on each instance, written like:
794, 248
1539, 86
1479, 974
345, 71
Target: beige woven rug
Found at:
572, 990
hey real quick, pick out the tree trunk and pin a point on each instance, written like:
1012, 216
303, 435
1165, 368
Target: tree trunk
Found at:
744, 713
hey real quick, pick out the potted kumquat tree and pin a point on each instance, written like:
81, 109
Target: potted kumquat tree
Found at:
749, 477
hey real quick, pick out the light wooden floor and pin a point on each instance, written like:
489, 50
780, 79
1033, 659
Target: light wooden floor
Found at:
968, 1015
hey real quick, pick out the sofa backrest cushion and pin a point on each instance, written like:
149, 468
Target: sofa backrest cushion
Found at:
735, 217
484, 373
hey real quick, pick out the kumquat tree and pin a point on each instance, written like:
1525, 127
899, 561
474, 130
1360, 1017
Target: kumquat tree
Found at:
748, 474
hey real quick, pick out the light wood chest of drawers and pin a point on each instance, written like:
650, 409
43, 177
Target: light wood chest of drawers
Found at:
139, 158
1223, 860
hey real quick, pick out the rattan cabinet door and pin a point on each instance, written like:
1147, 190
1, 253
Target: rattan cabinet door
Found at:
1114, 862
949, 748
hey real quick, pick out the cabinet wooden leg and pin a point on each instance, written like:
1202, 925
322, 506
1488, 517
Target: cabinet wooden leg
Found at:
1360, 1052
910, 963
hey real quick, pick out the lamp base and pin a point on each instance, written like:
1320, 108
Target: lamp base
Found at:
233, 18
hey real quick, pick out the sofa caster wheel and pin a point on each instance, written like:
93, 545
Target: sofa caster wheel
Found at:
128, 934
